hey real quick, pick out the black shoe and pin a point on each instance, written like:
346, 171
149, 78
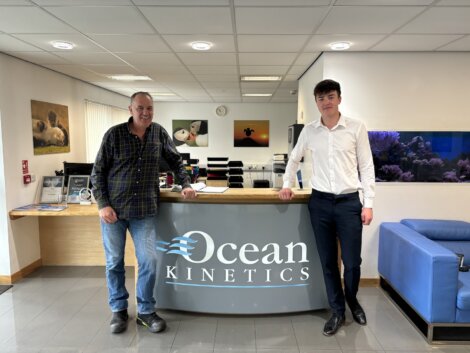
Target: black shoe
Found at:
358, 314
118, 323
333, 324
153, 322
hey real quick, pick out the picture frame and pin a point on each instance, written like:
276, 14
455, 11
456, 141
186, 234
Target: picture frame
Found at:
75, 184
52, 189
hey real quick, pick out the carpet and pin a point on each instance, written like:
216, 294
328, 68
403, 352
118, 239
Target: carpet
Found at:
4, 288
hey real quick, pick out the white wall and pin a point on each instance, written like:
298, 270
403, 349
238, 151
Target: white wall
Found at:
404, 91
20, 83
280, 116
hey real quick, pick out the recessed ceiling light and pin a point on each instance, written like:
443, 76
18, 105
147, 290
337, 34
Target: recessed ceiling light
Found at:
340, 45
59, 44
257, 94
130, 78
261, 78
201, 45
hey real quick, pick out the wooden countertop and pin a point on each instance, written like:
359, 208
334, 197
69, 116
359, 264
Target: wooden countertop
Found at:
230, 196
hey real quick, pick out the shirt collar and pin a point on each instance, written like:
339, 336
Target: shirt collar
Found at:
341, 122
129, 121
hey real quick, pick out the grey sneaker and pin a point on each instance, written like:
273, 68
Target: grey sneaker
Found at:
153, 322
118, 323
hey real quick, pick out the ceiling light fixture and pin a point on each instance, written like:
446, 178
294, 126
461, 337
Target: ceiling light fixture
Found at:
340, 45
257, 94
130, 78
261, 78
59, 44
201, 45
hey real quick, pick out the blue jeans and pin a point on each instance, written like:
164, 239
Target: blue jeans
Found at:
144, 235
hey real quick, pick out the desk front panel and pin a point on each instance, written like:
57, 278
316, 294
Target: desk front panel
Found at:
238, 259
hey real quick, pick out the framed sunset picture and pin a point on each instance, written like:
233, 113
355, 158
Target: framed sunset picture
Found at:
251, 133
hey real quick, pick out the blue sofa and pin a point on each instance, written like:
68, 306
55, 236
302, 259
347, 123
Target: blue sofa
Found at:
419, 269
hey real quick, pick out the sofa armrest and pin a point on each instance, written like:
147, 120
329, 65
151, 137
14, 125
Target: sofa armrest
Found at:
422, 271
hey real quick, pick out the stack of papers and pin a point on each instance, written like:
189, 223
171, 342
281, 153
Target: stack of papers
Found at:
201, 187
41, 207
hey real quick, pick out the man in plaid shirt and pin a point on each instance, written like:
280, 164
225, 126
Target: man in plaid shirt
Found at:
125, 181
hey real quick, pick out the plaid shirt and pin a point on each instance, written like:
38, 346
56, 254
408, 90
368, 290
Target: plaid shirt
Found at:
126, 170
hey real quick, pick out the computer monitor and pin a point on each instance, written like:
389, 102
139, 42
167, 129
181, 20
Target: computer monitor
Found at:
76, 169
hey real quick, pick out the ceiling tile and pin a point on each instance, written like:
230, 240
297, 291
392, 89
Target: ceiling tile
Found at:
223, 92
83, 2
208, 58
182, 2
306, 58
359, 42
281, 2
82, 43
182, 43
441, 20
77, 72
289, 85
8, 43
223, 84
383, 2
271, 43
109, 70
167, 69
367, 19
172, 78
103, 19
149, 59
90, 58
40, 58
297, 70
410, 42
256, 99
278, 20
137, 43
218, 78
263, 70
15, 19
189, 20
292, 77
266, 58
459, 45
15, 2
214, 70
453, 3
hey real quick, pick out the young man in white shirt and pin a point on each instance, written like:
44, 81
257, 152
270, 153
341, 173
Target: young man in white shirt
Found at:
342, 164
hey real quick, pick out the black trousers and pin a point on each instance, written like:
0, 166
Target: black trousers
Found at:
338, 217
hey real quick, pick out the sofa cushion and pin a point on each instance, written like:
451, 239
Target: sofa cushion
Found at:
463, 292
435, 229
457, 247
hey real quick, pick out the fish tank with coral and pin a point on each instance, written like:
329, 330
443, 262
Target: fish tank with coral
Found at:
417, 156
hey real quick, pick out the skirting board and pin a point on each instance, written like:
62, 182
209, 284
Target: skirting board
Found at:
21, 273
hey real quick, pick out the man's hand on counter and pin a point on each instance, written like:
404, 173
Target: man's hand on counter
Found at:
286, 194
188, 193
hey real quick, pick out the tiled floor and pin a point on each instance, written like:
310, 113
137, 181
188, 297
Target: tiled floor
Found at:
64, 309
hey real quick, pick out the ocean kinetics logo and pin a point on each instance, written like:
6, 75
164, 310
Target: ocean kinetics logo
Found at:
204, 263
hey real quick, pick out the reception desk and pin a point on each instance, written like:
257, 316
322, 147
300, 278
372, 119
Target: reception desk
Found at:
242, 252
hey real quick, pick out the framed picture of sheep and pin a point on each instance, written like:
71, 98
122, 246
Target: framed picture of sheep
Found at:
50, 124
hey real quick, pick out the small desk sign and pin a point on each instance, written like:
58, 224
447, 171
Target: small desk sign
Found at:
52, 187
76, 184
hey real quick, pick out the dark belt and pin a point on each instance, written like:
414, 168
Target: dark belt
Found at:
329, 196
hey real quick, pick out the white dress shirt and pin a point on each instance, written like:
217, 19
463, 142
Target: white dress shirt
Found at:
341, 159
